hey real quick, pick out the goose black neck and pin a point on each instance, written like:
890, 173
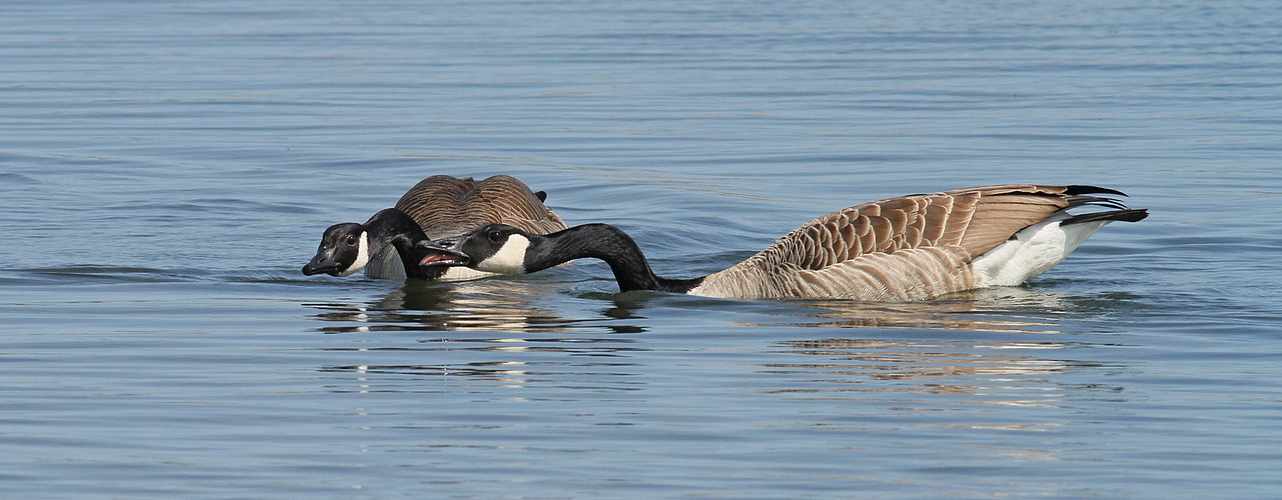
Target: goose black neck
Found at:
608, 243
394, 227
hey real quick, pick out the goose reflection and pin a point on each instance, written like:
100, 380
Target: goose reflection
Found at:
495, 305
995, 372
1009, 309
492, 331
1021, 369
514, 332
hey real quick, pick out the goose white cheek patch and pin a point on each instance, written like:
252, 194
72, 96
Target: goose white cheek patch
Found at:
510, 259
362, 257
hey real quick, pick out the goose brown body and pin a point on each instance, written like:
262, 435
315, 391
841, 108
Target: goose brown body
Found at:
903, 248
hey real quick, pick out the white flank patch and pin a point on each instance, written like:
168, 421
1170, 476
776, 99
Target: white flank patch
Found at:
510, 259
362, 256
1033, 251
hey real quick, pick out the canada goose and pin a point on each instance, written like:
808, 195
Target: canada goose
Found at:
436, 207
906, 248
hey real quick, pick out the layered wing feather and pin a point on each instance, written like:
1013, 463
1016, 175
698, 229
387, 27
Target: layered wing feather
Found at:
904, 248
446, 206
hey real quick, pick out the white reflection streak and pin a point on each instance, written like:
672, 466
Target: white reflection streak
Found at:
515, 379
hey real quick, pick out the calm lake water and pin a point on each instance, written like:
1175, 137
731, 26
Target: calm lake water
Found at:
167, 167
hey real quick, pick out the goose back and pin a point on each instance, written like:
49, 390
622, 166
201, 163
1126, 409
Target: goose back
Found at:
447, 206
904, 248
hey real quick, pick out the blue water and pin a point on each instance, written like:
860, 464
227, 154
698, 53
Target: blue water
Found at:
167, 168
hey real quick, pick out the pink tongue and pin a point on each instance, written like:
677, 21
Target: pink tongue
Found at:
435, 257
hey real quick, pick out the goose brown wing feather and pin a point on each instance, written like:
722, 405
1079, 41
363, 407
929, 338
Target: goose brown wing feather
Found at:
906, 247
446, 206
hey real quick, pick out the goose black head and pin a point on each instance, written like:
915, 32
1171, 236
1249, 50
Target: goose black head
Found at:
495, 248
344, 249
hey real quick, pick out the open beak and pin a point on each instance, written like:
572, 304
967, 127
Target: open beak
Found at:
443, 252
323, 262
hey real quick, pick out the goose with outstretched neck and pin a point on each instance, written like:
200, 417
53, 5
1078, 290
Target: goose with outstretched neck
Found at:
905, 248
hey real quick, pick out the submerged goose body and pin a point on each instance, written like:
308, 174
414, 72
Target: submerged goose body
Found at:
437, 207
905, 248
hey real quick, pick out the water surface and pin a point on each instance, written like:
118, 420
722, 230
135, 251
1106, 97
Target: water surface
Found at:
168, 168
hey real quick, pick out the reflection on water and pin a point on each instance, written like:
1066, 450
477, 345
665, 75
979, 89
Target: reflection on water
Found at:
1005, 309
498, 321
484, 305
506, 333
1002, 373
525, 306
511, 374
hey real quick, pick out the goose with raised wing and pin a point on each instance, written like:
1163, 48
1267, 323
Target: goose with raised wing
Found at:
905, 248
441, 206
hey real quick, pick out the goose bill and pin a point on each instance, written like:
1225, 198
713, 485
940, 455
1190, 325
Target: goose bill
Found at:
443, 253
321, 263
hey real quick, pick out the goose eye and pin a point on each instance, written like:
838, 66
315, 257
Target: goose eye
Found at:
495, 236
351, 240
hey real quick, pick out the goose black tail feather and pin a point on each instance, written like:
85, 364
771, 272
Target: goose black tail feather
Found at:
1122, 215
1076, 190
